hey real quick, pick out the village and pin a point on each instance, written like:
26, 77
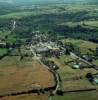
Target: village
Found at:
46, 50
63, 60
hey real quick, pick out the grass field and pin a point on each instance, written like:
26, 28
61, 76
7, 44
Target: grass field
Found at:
92, 23
70, 78
95, 62
69, 75
4, 33
16, 15
84, 46
17, 76
78, 96
3, 51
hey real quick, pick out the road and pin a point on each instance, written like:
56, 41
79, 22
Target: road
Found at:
73, 55
14, 25
55, 74
33, 52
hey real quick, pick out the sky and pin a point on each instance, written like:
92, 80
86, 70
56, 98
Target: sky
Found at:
10, 1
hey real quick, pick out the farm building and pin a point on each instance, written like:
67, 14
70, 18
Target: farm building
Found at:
2, 44
95, 78
88, 58
76, 66
41, 49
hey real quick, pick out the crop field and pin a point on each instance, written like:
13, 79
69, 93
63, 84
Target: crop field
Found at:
17, 76
26, 97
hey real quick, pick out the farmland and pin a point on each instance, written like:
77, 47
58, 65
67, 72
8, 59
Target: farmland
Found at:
21, 76
84, 46
78, 96
49, 51
26, 97
69, 75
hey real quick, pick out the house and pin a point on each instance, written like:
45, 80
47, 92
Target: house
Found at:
2, 44
87, 57
77, 65
95, 78
52, 65
41, 49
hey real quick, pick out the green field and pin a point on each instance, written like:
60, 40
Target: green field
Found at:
78, 96
3, 51
4, 33
16, 15
84, 46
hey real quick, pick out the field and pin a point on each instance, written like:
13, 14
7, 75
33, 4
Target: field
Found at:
17, 76
75, 79
26, 97
92, 23
3, 51
4, 33
84, 46
16, 15
78, 96
71, 78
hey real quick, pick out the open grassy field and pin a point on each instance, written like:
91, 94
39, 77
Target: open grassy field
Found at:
3, 51
16, 15
92, 23
4, 33
84, 46
17, 76
86, 23
71, 77
95, 62
78, 96
75, 79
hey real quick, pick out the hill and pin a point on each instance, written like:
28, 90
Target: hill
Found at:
44, 2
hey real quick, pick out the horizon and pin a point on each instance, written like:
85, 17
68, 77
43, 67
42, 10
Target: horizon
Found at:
45, 1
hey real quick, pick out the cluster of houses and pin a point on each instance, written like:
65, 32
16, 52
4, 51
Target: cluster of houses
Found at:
43, 46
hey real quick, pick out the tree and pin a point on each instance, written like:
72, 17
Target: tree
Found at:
89, 76
96, 51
